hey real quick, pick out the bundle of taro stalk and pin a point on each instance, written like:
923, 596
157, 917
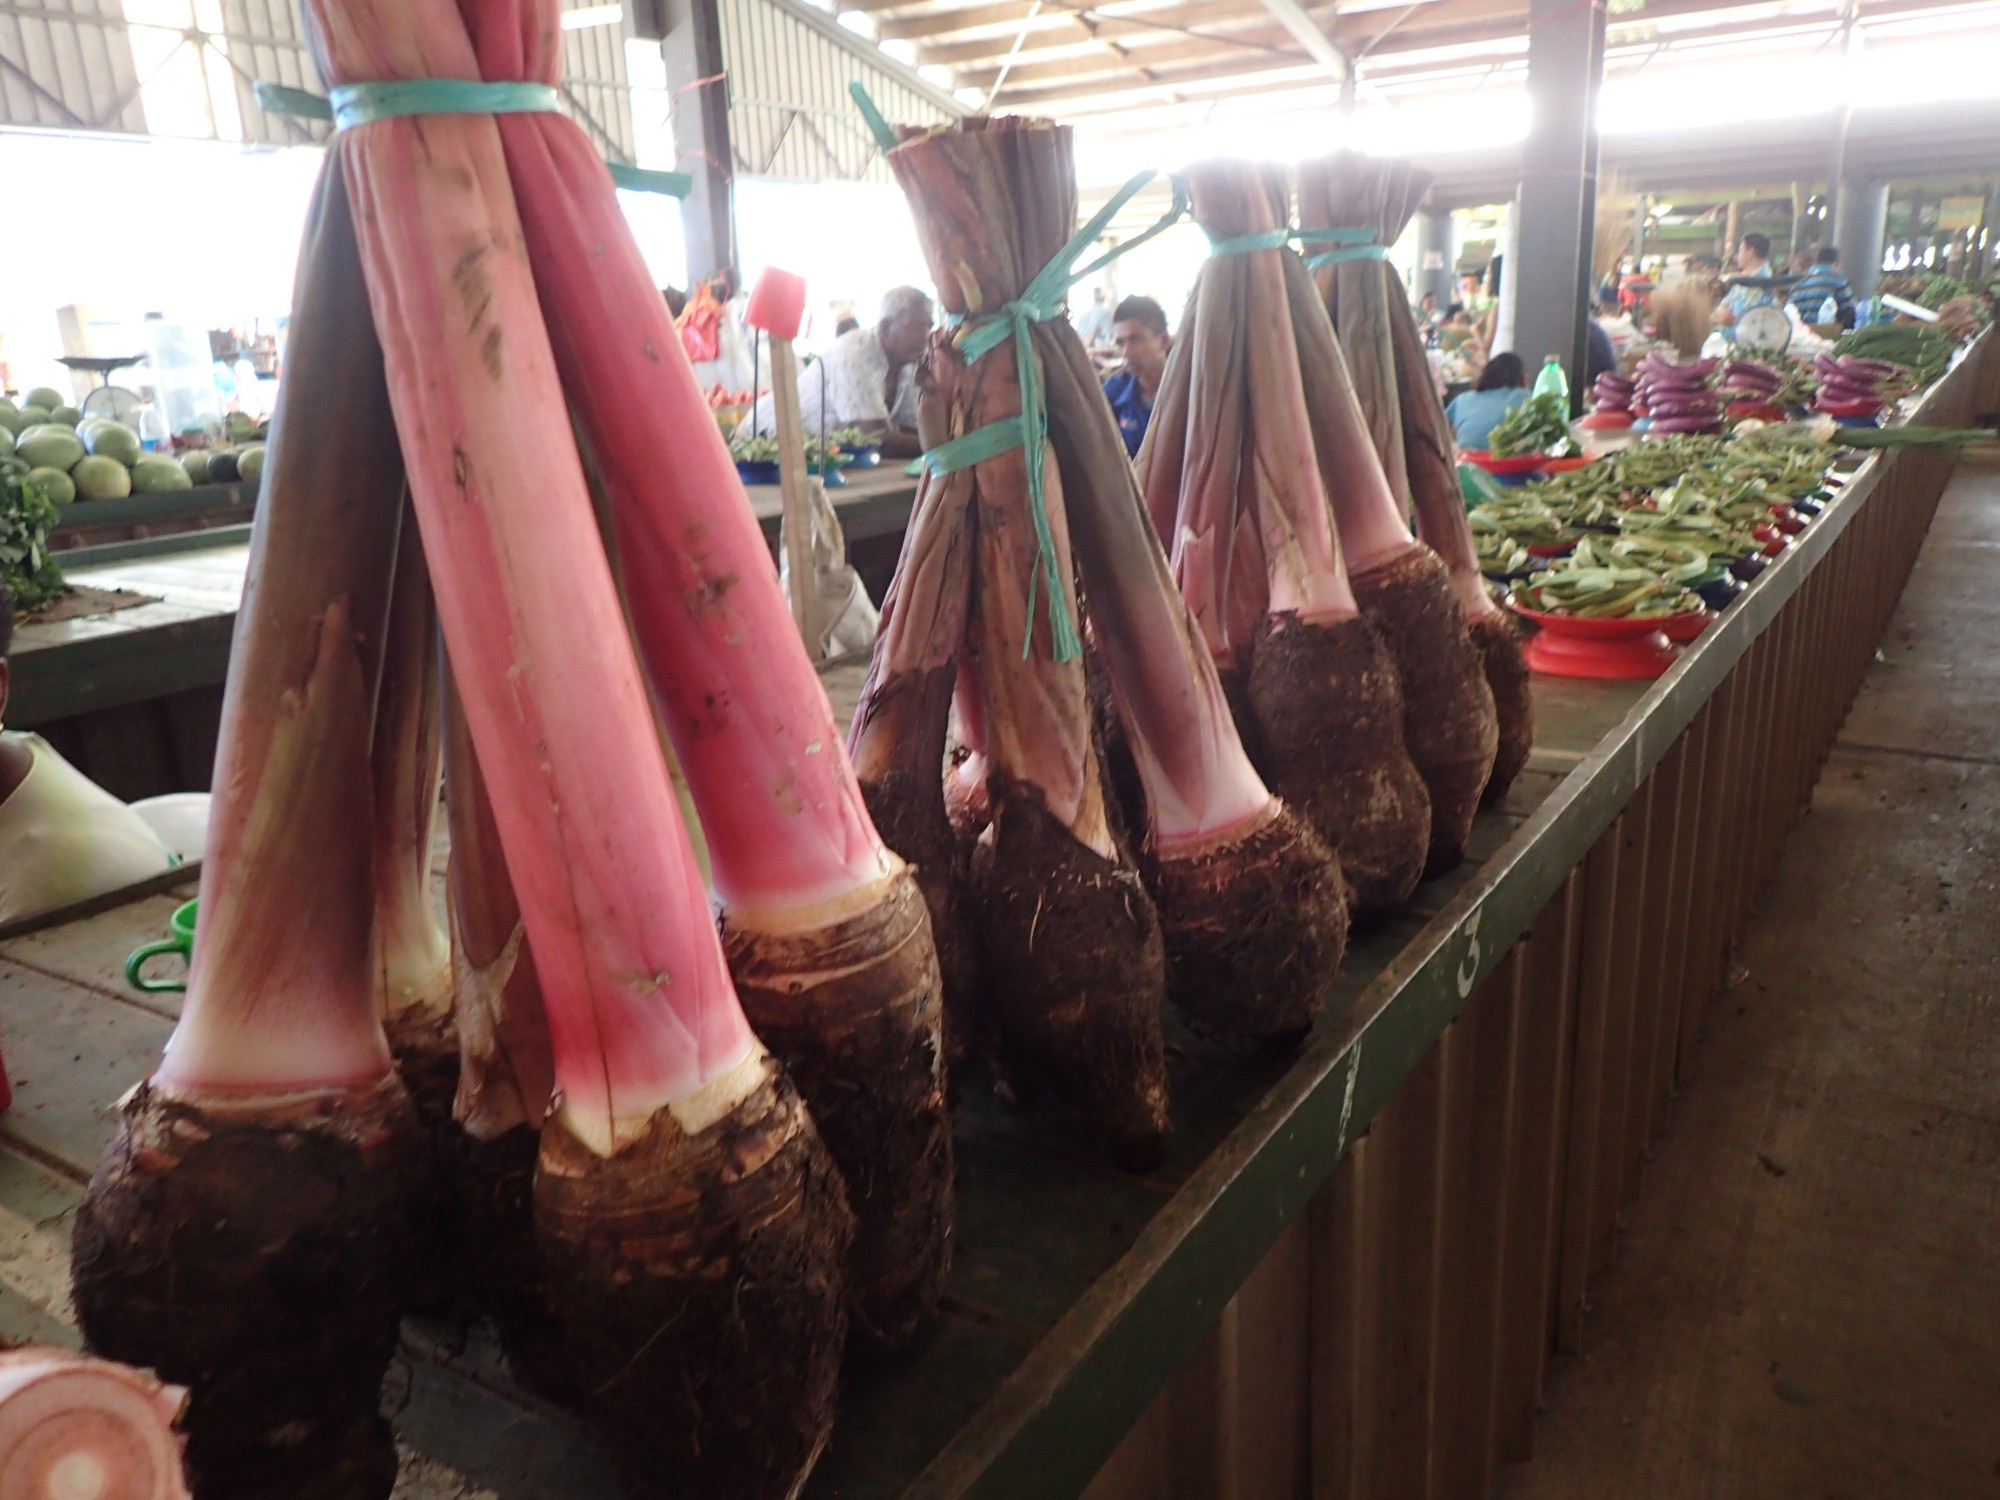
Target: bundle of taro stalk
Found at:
1373, 197
1255, 444
633, 1183
1216, 893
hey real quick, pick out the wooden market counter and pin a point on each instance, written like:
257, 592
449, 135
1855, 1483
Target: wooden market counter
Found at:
133, 696
1348, 1277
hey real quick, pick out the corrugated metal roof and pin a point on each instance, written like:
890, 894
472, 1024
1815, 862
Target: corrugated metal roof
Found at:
790, 115
69, 65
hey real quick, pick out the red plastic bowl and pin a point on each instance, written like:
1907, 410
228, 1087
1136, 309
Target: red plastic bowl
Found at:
1564, 465
1684, 628
1520, 463
1565, 646
1761, 411
1849, 408
1553, 549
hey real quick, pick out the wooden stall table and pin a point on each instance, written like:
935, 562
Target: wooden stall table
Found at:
1350, 1273
131, 692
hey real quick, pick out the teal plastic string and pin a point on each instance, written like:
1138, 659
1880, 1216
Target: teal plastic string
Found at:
1040, 302
1243, 244
1353, 244
881, 129
359, 103
364, 103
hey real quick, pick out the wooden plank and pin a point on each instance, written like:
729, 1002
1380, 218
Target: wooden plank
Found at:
70, 1052
1587, 1104
1621, 1001
1336, 1315
1550, 972
92, 954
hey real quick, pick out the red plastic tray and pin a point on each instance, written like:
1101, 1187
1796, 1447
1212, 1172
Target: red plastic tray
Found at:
1604, 649
1564, 465
1520, 463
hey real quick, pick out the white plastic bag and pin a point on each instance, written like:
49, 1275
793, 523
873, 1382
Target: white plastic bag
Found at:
843, 616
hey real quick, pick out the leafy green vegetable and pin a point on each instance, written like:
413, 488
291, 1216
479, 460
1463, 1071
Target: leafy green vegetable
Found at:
1538, 425
27, 567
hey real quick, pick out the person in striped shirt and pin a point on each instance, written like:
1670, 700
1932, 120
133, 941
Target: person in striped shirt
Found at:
1824, 279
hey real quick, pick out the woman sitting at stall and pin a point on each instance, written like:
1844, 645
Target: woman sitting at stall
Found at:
63, 838
1502, 386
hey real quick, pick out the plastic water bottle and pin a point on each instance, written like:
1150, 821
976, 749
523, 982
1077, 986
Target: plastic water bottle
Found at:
1552, 381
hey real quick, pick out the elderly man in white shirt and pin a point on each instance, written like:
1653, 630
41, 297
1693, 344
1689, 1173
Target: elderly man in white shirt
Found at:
867, 379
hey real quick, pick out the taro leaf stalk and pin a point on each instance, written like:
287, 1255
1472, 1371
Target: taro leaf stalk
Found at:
249, 1231
1253, 909
681, 1182
1259, 561
1401, 584
826, 930
1074, 963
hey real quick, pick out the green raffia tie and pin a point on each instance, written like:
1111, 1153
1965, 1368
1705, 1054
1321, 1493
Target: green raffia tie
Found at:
1354, 244
355, 104
1041, 302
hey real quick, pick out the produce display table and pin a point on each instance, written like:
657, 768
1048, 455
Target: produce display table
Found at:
1349, 1274
133, 697
94, 523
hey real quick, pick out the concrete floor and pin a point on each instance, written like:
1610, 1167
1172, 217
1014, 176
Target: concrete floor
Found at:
1806, 1302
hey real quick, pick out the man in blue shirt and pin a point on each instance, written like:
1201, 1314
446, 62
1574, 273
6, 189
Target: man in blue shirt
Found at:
1753, 262
1139, 329
1824, 279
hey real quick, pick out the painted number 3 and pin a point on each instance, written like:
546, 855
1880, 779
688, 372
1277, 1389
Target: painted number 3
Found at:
1468, 967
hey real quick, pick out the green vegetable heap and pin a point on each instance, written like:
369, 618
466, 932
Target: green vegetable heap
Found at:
1618, 581
1538, 425
27, 515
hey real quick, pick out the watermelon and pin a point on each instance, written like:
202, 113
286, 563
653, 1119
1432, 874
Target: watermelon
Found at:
57, 485
48, 445
28, 416
6, 441
250, 462
156, 472
101, 478
47, 397
69, 416
113, 440
195, 462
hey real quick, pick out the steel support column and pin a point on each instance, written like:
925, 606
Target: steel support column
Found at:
1864, 217
1551, 267
1435, 253
692, 46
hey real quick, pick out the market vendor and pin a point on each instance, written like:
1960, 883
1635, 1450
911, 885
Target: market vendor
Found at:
1753, 263
1139, 329
63, 838
867, 378
1502, 386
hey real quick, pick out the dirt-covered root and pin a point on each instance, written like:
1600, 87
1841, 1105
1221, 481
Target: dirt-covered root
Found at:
495, 1198
1254, 931
700, 1283
1449, 725
259, 1256
1329, 713
1125, 792
1075, 976
924, 840
425, 1046
853, 1011
1499, 642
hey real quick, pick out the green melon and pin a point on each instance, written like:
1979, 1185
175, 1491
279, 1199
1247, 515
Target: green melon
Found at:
32, 415
250, 462
195, 463
156, 472
100, 478
45, 396
6, 441
113, 440
57, 485
50, 446
13, 419
69, 416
